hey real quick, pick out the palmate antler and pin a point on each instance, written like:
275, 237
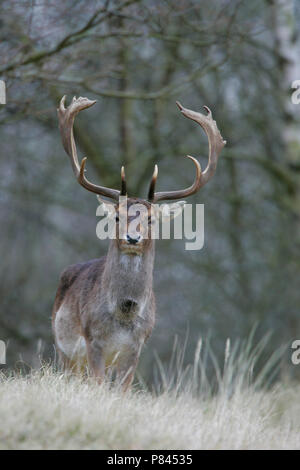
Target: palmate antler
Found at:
216, 143
67, 116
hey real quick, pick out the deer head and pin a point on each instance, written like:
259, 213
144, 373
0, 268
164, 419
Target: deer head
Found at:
138, 243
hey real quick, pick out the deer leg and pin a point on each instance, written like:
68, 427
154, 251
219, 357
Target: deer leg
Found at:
126, 368
71, 365
96, 360
66, 364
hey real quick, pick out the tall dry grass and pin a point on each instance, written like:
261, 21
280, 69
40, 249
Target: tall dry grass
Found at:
235, 407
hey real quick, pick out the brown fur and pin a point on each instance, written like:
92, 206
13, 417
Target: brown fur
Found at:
110, 303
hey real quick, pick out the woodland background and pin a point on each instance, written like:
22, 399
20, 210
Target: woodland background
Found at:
138, 57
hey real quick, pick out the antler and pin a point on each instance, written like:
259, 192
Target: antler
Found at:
66, 117
216, 143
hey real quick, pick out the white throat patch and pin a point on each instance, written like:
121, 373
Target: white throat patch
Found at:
130, 262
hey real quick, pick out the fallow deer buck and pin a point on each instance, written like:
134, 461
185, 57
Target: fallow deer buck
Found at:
104, 309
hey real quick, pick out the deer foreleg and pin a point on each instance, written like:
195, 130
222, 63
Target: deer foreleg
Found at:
126, 368
96, 360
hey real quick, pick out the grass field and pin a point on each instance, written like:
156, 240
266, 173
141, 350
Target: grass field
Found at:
46, 410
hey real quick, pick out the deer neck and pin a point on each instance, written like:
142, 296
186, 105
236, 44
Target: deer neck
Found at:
128, 276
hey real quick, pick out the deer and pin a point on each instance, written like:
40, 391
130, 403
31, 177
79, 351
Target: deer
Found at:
104, 309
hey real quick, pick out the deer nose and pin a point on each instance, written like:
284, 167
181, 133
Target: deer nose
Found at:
133, 241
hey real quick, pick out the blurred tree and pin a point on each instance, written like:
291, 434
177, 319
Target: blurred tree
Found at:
136, 57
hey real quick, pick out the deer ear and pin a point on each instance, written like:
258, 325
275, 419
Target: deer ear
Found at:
170, 211
106, 207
